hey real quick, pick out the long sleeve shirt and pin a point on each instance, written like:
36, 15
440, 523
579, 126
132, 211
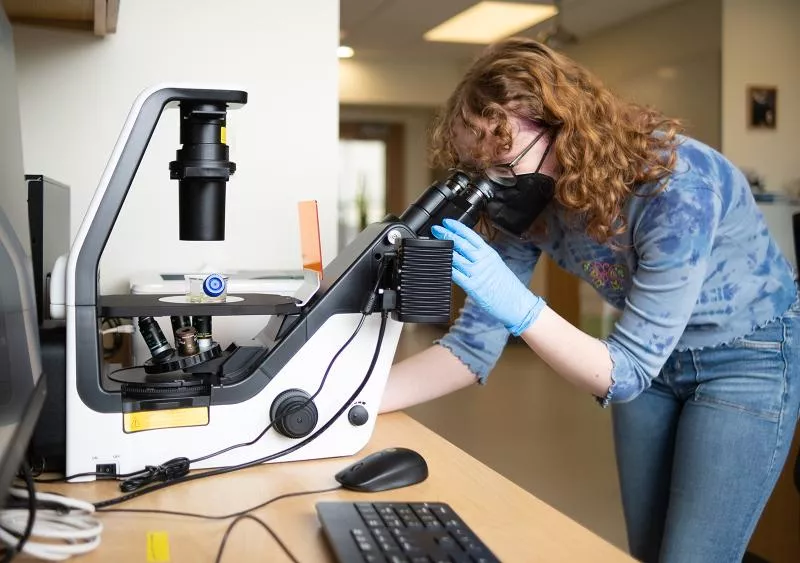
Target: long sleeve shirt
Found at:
695, 267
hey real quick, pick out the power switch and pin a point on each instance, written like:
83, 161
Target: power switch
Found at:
106, 470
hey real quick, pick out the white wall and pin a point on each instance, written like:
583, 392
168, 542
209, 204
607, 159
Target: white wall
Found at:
76, 90
761, 46
668, 58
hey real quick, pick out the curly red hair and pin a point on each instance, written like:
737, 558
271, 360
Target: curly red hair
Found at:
605, 146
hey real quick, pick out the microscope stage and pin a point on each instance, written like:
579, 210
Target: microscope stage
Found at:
146, 305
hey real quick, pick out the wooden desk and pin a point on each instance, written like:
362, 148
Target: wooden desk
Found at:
514, 524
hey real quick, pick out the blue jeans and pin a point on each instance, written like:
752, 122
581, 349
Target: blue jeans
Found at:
699, 452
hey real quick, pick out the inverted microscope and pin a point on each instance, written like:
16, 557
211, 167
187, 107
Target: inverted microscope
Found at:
309, 385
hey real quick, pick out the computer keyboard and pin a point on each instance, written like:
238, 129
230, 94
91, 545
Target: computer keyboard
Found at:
395, 532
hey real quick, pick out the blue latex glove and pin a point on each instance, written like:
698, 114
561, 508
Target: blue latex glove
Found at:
480, 271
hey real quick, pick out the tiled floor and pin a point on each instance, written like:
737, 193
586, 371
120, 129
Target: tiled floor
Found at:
536, 430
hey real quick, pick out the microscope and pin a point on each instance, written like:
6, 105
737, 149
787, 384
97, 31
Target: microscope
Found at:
309, 385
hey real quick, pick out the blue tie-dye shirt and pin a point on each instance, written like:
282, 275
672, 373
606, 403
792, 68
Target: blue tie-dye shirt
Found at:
696, 267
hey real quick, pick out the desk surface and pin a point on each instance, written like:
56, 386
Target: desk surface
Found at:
513, 523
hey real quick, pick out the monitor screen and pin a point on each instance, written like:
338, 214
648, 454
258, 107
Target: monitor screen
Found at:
21, 382
22, 386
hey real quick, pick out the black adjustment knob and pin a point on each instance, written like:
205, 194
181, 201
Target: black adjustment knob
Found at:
303, 417
358, 415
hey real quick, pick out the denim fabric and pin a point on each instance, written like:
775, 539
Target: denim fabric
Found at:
696, 267
699, 452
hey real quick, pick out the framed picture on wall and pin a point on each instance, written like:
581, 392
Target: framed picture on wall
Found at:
762, 104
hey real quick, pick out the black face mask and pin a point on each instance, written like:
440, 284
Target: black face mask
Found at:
513, 209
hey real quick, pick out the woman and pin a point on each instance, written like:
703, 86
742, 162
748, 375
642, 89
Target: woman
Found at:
703, 366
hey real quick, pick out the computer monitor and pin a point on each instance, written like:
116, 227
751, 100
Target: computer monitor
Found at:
48, 218
22, 386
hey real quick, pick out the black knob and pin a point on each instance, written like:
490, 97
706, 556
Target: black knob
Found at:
358, 415
303, 417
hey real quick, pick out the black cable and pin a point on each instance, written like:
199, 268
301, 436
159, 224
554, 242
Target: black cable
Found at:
117, 476
299, 408
173, 469
179, 467
237, 515
366, 310
260, 523
12, 552
220, 516
89, 474
271, 457
31, 506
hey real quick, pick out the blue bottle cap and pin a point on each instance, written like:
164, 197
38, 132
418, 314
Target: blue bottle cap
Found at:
214, 285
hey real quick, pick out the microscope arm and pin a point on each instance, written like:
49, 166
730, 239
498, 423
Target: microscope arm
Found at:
348, 281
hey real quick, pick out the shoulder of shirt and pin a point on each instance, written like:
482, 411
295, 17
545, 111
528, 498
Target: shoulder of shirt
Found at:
697, 166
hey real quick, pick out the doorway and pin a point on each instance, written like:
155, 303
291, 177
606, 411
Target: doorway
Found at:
371, 183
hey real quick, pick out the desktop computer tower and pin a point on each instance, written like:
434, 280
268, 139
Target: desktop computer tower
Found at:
48, 218
50, 237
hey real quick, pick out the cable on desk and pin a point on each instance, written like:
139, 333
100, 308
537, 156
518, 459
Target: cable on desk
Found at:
271, 457
13, 551
179, 467
173, 469
220, 516
63, 534
260, 523
117, 476
236, 515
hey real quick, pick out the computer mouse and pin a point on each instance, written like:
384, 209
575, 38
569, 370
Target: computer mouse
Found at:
391, 468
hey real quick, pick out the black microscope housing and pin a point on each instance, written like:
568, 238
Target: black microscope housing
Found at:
202, 168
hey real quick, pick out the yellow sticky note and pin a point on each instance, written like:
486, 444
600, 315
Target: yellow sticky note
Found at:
157, 547
223, 136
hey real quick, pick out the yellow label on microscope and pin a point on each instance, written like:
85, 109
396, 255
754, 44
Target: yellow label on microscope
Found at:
170, 418
157, 547
223, 135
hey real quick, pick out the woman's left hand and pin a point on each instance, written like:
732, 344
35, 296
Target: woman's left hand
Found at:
480, 271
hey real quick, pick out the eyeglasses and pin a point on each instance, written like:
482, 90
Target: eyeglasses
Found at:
504, 174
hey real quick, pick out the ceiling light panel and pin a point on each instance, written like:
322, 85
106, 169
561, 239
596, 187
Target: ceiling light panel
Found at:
486, 22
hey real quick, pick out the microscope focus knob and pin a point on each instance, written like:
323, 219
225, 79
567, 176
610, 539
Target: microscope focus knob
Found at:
303, 417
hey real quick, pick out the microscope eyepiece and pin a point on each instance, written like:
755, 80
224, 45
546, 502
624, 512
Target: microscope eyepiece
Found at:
202, 169
461, 196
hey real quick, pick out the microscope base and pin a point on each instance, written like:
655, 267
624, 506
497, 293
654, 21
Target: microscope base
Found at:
100, 439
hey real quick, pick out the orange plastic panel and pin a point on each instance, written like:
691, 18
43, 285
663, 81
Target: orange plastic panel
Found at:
310, 243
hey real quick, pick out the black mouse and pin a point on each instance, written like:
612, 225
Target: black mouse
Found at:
391, 468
